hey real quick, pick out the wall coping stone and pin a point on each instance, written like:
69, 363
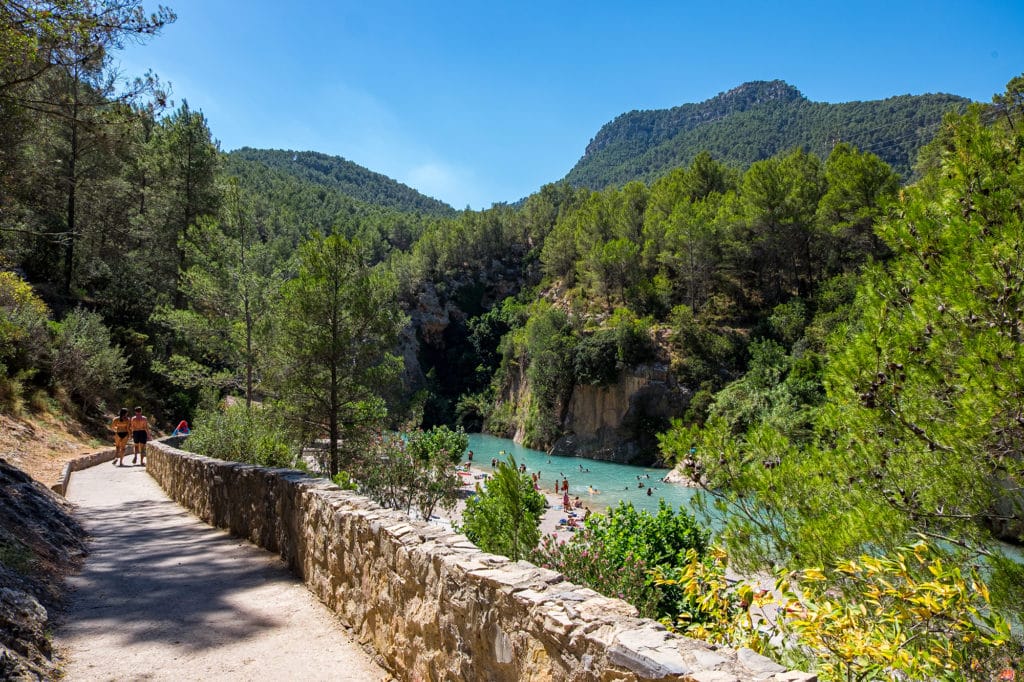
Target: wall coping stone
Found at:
429, 602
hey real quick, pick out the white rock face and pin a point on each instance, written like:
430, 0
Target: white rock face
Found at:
431, 603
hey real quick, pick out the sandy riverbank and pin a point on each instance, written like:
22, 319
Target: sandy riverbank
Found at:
550, 522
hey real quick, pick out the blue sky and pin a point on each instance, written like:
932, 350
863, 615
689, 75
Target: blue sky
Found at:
482, 102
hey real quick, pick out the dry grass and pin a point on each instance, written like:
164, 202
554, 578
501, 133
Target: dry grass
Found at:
40, 444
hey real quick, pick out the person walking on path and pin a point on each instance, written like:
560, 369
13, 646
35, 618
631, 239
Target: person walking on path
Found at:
121, 426
140, 435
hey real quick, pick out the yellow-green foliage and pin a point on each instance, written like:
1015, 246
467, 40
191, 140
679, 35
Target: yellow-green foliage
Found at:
23, 318
24, 339
720, 610
908, 615
910, 612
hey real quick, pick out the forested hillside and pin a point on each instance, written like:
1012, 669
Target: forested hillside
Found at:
842, 350
341, 176
753, 122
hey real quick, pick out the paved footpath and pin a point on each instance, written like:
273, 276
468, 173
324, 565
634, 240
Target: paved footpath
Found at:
163, 596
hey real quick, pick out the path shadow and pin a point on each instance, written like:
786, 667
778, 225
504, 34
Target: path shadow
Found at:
156, 573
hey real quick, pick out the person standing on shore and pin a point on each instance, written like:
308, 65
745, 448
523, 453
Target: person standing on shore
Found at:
140, 435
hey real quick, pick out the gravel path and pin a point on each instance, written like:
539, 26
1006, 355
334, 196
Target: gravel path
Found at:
163, 596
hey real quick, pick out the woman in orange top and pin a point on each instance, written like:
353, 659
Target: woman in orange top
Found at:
121, 426
140, 435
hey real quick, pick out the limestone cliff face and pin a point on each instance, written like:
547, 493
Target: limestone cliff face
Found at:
619, 422
435, 309
428, 318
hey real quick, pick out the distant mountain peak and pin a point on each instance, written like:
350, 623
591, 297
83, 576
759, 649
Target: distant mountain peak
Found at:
753, 93
754, 121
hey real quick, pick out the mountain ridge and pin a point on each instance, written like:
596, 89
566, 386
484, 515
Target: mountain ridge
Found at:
347, 177
754, 121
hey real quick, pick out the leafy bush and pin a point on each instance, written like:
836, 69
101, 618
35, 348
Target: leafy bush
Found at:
633, 338
439, 443
343, 480
910, 613
718, 610
616, 553
24, 338
85, 362
240, 434
595, 360
582, 562
907, 615
504, 517
414, 472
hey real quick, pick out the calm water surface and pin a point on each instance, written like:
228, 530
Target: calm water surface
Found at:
599, 484
612, 482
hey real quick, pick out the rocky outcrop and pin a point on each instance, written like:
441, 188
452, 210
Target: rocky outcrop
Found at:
431, 603
39, 543
434, 307
1007, 519
619, 422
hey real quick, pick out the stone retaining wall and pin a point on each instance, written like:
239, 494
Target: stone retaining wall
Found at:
432, 604
61, 486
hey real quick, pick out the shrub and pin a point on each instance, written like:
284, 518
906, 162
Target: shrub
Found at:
617, 553
595, 360
911, 613
504, 517
633, 337
239, 434
24, 339
85, 362
907, 615
413, 472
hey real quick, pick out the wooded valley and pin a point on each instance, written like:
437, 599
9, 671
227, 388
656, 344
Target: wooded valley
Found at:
837, 289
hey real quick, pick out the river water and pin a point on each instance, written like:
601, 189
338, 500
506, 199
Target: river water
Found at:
610, 482
598, 484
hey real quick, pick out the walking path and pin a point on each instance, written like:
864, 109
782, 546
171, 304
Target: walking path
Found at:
163, 596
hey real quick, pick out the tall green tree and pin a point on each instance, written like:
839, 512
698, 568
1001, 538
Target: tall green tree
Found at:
337, 323
186, 158
505, 518
60, 72
860, 186
921, 431
781, 195
227, 290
